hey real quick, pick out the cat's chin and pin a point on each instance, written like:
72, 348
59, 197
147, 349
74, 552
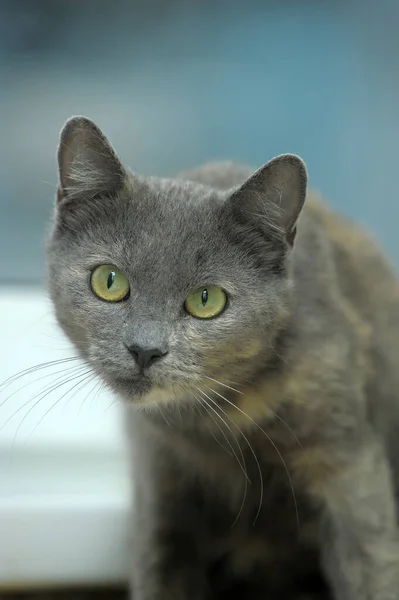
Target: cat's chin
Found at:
141, 391
144, 393
133, 389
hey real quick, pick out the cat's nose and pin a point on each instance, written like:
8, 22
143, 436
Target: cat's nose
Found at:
144, 357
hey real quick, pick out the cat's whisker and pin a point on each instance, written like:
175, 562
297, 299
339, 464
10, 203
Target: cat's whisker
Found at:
95, 392
242, 464
272, 443
272, 348
249, 382
179, 411
7, 382
164, 416
50, 183
43, 391
41, 395
204, 404
288, 427
114, 401
223, 384
80, 385
246, 479
91, 391
98, 389
47, 375
272, 411
253, 454
236, 383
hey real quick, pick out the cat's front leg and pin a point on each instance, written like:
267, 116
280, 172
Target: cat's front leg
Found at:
168, 529
167, 563
359, 534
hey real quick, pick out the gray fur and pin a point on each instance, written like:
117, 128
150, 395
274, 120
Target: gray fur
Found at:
265, 441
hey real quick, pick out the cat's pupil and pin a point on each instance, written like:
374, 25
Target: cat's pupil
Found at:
204, 297
111, 279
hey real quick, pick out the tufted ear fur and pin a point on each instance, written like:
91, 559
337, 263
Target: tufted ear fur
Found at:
273, 197
87, 163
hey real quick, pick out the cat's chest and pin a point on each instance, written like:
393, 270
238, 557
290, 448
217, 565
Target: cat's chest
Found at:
249, 497
253, 518
251, 464
271, 534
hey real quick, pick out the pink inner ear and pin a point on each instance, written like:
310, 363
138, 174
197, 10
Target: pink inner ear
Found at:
60, 195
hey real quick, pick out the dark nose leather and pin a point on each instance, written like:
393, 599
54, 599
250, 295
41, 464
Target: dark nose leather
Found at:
145, 357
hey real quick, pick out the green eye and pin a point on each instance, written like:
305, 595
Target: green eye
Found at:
109, 283
206, 302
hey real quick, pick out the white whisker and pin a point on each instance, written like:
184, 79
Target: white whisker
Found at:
205, 406
246, 479
242, 464
46, 376
288, 427
272, 443
256, 460
82, 383
43, 395
163, 416
7, 382
223, 384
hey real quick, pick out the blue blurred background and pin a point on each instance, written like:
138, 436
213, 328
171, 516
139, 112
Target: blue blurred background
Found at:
174, 83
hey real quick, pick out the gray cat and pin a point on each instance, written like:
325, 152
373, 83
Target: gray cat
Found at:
257, 345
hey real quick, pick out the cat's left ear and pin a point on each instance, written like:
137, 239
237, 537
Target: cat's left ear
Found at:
271, 200
87, 163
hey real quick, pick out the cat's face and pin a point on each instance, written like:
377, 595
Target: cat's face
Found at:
192, 290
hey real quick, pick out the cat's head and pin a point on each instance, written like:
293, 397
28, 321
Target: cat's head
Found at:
167, 286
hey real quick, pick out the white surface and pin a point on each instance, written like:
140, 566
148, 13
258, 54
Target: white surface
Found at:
64, 481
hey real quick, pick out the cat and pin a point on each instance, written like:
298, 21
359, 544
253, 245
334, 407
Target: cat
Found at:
253, 335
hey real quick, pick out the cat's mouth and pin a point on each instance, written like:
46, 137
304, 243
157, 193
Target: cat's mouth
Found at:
135, 387
141, 390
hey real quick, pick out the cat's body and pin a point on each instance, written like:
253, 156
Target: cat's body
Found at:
265, 448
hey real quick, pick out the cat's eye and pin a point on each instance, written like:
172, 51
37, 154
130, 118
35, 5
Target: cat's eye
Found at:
109, 283
206, 302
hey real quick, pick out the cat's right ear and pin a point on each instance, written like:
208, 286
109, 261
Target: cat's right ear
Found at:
88, 165
272, 199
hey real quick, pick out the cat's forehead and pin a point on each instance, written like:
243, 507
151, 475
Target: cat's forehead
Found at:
170, 229
170, 214
167, 229
172, 201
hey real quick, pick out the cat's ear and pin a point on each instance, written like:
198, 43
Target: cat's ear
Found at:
87, 163
273, 197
